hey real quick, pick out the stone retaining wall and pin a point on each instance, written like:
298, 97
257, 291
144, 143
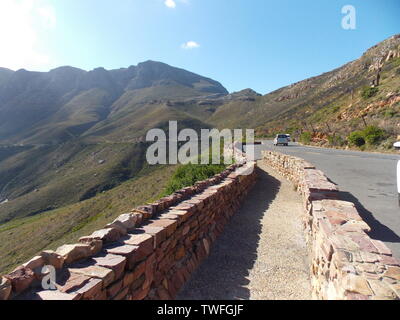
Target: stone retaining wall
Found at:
346, 263
148, 253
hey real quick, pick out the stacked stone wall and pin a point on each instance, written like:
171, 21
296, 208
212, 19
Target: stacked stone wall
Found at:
148, 253
347, 263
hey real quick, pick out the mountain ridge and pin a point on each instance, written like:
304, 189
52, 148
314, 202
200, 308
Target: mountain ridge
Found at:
32, 101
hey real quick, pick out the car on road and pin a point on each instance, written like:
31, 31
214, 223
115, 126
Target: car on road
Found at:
281, 139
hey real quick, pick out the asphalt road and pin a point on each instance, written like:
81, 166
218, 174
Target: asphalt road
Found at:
367, 179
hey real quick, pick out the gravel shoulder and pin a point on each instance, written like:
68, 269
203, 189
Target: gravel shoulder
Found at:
262, 253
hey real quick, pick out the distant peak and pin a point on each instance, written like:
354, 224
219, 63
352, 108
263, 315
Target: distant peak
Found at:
6, 70
66, 68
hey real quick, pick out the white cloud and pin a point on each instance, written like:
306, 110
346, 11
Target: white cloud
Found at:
21, 25
190, 45
173, 3
170, 3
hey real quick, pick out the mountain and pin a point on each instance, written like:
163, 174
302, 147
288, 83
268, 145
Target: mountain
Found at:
68, 134
57, 106
335, 103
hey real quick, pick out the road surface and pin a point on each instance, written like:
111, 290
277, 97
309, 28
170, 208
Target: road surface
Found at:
367, 179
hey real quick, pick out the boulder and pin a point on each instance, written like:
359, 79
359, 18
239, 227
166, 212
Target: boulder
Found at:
128, 220
95, 244
35, 263
5, 288
106, 235
119, 226
52, 258
74, 252
105, 274
21, 279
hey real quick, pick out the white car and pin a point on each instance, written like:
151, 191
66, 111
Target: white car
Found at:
281, 139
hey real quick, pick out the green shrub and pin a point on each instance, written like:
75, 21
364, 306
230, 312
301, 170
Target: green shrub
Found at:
356, 138
188, 174
388, 144
390, 113
369, 92
373, 135
336, 141
305, 137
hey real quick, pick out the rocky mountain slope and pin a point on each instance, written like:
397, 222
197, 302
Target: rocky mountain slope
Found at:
363, 92
57, 106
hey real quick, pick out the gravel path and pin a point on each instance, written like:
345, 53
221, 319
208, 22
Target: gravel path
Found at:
262, 254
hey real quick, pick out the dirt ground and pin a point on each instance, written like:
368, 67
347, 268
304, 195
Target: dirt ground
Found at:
262, 253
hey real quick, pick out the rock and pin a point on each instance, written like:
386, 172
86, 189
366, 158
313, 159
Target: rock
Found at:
381, 247
137, 272
74, 252
147, 211
358, 284
91, 289
93, 271
113, 289
393, 272
381, 289
125, 250
95, 244
119, 226
159, 234
113, 262
169, 225
180, 253
128, 220
206, 246
21, 279
122, 295
35, 263
55, 295
106, 235
68, 282
53, 259
5, 288
144, 242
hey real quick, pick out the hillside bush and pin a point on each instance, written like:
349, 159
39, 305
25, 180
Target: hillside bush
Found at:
373, 135
356, 138
305, 137
188, 174
390, 113
369, 92
336, 141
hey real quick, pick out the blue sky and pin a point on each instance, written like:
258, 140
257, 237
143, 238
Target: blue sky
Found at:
259, 44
